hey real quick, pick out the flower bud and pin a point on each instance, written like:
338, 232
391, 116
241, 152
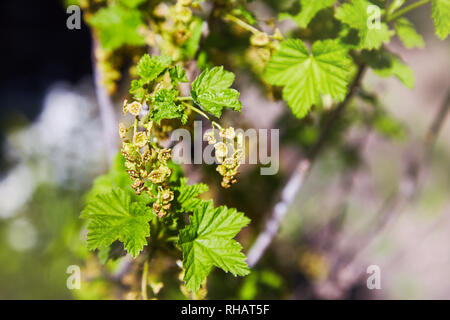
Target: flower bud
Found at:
227, 133
277, 35
184, 2
221, 149
125, 108
140, 139
165, 171
122, 131
156, 176
183, 14
164, 155
161, 10
209, 136
130, 151
130, 165
167, 195
229, 163
156, 206
259, 39
134, 108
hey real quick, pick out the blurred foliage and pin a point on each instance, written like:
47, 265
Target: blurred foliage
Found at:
35, 254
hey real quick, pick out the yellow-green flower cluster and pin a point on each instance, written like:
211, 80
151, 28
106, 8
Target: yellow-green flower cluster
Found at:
229, 153
262, 47
147, 164
109, 71
176, 27
134, 108
162, 204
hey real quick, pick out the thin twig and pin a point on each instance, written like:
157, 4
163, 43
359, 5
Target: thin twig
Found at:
403, 11
297, 179
438, 121
144, 281
148, 256
242, 24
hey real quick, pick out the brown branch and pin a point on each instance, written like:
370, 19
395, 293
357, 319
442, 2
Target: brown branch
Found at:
438, 121
296, 182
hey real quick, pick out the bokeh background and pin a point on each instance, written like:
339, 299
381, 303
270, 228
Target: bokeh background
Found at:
52, 148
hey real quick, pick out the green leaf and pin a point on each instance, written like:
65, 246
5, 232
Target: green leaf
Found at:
357, 15
309, 9
137, 89
399, 70
113, 216
211, 90
386, 64
149, 68
208, 241
118, 26
395, 4
191, 45
389, 126
165, 106
349, 38
440, 12
103, 254
306, 76
407, 34
188, 195
115, 178
203, 61
177, 74
241, 11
